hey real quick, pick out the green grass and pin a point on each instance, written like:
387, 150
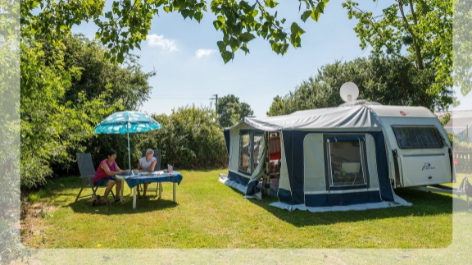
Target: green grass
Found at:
34, 197
212, 215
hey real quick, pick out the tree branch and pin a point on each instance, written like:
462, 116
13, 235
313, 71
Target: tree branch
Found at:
413, 13
419, 58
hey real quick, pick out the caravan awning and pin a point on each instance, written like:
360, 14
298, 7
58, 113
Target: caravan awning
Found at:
342, 118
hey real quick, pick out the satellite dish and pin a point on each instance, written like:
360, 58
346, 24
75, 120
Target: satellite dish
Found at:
349, 92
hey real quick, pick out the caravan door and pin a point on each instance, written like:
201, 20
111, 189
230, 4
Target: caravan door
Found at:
420, 151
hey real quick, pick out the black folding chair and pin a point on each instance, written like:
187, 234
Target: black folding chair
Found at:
87, 171
157, 155
466, 188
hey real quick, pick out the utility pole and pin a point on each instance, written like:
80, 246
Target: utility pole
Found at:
216, 102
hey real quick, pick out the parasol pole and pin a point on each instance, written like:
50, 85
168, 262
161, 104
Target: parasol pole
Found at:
129, 154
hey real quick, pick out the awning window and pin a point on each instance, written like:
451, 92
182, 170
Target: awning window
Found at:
250, 145
346, 161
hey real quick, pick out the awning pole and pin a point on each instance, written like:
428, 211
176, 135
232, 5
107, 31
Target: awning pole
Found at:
129, 153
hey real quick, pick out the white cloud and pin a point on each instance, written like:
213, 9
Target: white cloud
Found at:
204, 52
155, 40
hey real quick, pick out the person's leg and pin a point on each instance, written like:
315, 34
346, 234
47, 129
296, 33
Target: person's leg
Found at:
145, 189
139, 193
118, 189
109, 186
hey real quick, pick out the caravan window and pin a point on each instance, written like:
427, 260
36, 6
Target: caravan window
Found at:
346, 165
244, 155
249, 151
417, 137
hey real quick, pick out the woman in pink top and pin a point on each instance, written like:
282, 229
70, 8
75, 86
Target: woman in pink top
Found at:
105, 176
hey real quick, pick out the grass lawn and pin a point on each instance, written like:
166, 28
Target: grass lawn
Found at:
212, 215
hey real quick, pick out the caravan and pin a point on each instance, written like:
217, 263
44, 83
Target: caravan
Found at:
348, 157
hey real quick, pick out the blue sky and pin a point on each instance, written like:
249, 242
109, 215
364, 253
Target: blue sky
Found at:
190, 69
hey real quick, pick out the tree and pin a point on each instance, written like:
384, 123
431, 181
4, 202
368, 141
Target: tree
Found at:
419, 30
128, 22
126, 82
51, 126
231, 111
389, 81
65, 91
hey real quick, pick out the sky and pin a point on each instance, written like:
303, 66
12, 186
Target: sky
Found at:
190, 70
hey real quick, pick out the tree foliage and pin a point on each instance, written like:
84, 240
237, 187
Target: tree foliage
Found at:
50, 126
190, 138
11, 248
128, 22
231, 111
65, 91
463, 45
126, 82
389, 81
420, 30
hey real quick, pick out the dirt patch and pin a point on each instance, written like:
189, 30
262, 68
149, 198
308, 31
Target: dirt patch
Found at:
32, 223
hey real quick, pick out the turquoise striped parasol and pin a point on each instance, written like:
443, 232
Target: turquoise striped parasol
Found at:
126, 122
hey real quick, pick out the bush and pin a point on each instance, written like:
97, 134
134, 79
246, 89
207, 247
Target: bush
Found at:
190, 138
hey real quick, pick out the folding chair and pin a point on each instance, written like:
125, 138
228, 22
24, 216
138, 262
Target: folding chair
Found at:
87, 171
157, 155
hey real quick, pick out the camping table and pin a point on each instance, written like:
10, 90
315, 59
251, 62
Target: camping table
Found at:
134, 181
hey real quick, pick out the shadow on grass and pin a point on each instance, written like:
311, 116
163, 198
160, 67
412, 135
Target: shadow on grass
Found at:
424, 204
58, 193
122, 208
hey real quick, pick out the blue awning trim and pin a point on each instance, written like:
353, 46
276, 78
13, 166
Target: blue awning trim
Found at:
294, 166
252, 188
353, 187
238, 178
341, 199
227, 139
285, 196
345, 139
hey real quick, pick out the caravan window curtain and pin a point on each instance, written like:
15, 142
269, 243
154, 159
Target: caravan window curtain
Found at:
346, 161
417, 137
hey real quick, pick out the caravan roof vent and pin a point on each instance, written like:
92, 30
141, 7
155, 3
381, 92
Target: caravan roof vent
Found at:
349, 92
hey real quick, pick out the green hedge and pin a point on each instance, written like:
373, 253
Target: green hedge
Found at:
190, 138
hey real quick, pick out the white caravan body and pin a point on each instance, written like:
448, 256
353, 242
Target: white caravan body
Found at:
415, 164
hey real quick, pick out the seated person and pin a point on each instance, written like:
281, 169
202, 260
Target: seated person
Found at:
146, 164
105, 176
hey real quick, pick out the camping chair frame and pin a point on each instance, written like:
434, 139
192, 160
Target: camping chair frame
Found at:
87, 171
157, 155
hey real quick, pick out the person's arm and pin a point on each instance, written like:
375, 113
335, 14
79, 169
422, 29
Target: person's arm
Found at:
118, 170
139, 165
151, 167
107, 170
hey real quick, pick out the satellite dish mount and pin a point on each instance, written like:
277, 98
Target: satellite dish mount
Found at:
349, 92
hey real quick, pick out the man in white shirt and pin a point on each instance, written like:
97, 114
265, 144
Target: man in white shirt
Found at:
146, 164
